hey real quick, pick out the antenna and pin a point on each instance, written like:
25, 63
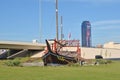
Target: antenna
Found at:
61, 29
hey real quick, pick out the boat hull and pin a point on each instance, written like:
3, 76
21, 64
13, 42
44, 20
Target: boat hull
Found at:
55, 58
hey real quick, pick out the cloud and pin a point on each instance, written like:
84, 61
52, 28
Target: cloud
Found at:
110, 24
106, 22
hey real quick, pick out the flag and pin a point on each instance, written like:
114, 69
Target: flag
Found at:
69, 36
62, 35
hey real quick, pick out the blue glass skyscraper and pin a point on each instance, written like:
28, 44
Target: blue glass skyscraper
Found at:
86, 34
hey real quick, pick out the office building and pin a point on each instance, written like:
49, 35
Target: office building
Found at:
86, 34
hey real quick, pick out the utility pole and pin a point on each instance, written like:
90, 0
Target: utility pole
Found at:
57, 37
40, 24
61, 29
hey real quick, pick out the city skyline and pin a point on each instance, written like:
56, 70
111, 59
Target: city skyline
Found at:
20, 19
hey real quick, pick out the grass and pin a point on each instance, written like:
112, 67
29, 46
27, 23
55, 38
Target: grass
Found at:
101, 72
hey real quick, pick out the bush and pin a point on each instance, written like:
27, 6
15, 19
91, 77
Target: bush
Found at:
109, 61
102, 61
14, 62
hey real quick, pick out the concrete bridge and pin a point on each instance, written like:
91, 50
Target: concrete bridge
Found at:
21, 45
19, 49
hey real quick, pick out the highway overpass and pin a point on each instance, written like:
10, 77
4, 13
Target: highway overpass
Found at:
15, 49
21, 45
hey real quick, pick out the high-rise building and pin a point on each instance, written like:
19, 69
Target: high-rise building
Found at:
86, 34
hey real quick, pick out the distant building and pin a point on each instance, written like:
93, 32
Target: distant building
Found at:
99, 46
35, 41
67, 43
112, 45
86, 34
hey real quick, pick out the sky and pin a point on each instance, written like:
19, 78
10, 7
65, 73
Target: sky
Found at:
26, 20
